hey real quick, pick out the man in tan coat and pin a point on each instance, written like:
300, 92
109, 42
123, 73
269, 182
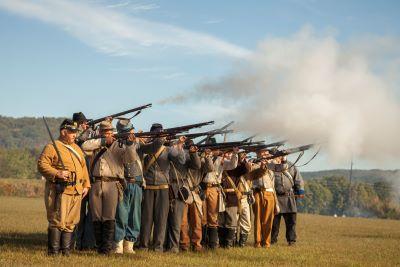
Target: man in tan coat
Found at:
67, 181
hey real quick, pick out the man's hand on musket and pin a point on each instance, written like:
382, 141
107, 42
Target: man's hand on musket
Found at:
62, 175
193, 149
182, 139
132, 137
85, 191
109, 119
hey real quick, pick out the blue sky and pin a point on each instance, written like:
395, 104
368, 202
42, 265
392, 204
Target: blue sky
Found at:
58, 57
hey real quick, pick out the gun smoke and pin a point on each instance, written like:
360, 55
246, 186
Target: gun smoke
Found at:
310, 88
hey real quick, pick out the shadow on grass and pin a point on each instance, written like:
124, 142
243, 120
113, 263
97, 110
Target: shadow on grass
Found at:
32, 241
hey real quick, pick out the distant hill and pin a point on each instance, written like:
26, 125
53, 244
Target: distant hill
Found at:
26, 132
369, 176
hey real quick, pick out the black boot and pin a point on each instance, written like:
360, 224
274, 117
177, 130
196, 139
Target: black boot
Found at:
212, 237
108, 236
53, 241
242, 239
98, 235
66, 243
230, 237
204, 236
222, 236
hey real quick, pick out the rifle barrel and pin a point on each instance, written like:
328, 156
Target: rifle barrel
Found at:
93, 122
54, 144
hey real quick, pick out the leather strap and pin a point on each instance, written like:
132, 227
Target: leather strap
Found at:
153, 159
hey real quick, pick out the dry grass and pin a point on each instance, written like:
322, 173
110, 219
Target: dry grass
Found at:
322, 241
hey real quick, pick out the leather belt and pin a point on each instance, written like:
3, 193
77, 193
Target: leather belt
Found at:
65, 183
229, 190
130, 180
211, 185
263, 189
106, 179
156, 187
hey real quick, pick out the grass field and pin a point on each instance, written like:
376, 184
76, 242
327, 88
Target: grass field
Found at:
321, 241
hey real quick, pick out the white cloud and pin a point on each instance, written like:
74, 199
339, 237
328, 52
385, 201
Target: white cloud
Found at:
112, 32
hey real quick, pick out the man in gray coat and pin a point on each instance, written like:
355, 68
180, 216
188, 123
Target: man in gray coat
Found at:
179, 177
288, 185
155, 205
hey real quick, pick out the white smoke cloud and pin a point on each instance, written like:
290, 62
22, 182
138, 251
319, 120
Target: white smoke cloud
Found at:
310, 88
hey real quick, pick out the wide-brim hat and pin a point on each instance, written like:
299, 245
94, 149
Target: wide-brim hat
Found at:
124, 125
106, 126
156, 127
79, 117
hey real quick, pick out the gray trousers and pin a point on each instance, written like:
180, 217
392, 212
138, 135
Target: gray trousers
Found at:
228, 218
175, 217
155, 208
103, 200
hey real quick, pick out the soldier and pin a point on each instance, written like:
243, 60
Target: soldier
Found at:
179, 184
228, 219
193, 213
67, 181
247, 199
128, 215
155, 204
288, 185
214, 203
84, 235
265, 205
107, 171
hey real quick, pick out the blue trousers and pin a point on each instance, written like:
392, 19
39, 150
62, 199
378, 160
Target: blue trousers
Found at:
129, 214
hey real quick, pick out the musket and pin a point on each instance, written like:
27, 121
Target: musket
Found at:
223, 128
138, 110
54, 144
188, 127
254, 148
227, 145
170, 132
285, 152
195, 135
59, 186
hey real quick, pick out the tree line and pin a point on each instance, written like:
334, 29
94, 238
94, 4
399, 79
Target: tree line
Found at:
335, 195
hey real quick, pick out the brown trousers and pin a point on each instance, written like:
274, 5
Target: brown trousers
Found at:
191, 227
263, 209
210, 207
64, 211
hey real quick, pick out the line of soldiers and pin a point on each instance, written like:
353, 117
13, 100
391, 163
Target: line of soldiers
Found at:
116, 194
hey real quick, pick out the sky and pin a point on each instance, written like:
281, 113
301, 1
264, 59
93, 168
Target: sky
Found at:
103, 56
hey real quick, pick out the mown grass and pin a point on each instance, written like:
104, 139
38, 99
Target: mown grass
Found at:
322, 241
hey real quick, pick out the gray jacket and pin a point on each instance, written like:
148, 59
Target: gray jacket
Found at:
179, 172
287, 183
158, 172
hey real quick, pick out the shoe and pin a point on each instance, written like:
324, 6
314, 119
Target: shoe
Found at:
128, 247
230, 237
242, 239
257, 245
212, 233
108, 236
222, 231
66, 243
98, 234
53, 241
119, 248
